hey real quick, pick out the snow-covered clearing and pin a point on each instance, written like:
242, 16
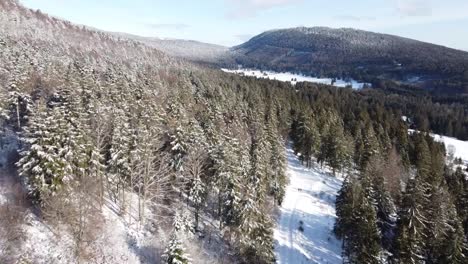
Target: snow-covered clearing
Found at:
459, 147
294, 78
310, 203
121, 240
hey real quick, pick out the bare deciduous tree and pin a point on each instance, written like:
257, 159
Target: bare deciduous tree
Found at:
196, 168
77, 209
152, 175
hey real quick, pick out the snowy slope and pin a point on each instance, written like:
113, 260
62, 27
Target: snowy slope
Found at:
460, 147
294, 78
310, 198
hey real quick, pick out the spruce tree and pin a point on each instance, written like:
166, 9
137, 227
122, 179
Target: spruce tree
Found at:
54, 150
357, 224
411, 224
175, 252
119, 163
371, 146
256, 232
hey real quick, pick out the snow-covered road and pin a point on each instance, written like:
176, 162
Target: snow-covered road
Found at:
310, 203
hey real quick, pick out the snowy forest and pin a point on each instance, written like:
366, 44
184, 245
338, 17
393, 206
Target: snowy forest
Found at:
105, 141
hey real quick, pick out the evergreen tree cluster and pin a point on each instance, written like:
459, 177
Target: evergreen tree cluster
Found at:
400, 202
216, 144
125, 118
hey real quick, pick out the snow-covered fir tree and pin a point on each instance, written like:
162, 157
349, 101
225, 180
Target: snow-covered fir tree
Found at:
175, 252
54, 148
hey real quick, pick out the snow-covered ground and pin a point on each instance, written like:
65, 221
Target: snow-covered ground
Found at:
294, 78
460, 148
310, 203
121, 240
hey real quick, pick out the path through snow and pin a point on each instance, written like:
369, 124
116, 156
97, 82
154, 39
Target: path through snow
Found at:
310, 203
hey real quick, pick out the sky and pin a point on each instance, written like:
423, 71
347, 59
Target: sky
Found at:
232, 22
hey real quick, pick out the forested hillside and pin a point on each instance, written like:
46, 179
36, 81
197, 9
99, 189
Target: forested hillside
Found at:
104, 135
188, 49
361, 55
100, 120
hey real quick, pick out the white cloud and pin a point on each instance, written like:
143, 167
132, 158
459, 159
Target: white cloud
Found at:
414, 7
175, 26
250, 8
352, 18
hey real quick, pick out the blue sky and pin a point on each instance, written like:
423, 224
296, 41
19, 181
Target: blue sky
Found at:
231, 22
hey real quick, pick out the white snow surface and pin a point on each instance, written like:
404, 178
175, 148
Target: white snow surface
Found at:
460, 147
294, 78
310, 198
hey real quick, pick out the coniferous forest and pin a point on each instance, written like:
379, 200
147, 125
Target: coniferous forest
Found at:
196, 157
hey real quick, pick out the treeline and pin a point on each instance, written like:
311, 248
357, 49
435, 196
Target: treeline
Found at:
400, 202
441, 115
392, 213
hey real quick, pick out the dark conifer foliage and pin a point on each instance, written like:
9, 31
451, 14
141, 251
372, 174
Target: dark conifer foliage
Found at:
126, 119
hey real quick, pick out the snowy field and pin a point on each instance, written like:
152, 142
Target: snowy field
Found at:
310, 203
460, 147
294, 78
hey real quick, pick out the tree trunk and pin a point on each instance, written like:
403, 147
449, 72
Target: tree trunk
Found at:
18, 113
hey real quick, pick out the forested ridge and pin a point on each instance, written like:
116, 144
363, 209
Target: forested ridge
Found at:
104, 122
403, 199
361, 55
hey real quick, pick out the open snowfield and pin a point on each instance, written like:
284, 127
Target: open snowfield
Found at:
310, 198
459, 147
294, 78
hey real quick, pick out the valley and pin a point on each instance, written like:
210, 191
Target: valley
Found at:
294, 78
123, 141
304, 233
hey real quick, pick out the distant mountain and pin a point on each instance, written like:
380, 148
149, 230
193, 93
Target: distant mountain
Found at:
188, 49
358, 54
51, 40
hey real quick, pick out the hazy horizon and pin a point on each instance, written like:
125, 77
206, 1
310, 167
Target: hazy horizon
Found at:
232, 22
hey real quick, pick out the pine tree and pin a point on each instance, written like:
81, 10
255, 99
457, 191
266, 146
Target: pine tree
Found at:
175, 252
375, 187
277, 163
358, 145
256, 232
20, 106
179, 148
411, 224
336, 147
277, 183
371, 146
119, 164
4, 113
259, 166
228, 159
344, 209
402, 143
55, 149
197, 190
357, 224
454, 248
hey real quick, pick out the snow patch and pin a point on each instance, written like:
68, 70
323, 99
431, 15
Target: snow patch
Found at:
304, 233
295, 78
459, 147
